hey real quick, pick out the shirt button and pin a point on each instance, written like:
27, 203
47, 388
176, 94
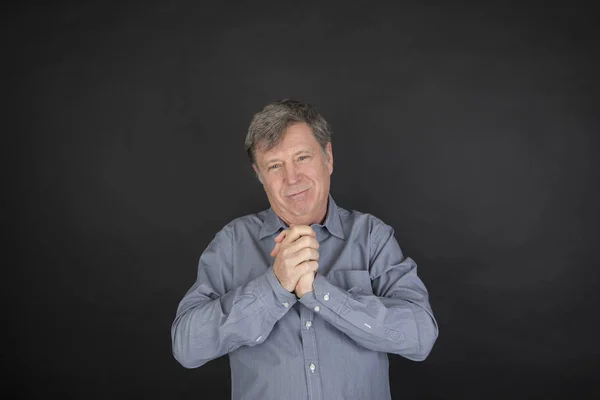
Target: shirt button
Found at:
326, 297
286, 304
308, 324
312, 367
317, 308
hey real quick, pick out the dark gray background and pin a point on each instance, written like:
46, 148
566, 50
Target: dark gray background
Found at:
471, 129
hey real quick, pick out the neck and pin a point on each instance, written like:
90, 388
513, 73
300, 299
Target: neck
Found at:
319, 219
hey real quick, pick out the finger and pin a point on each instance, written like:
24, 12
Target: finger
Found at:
279, 238
299, 230
306, 254
275, 250
307, 267
302, 243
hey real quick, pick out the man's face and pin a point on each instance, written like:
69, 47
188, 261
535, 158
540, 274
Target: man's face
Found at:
296, 176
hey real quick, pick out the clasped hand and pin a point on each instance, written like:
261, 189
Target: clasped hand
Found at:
296, 259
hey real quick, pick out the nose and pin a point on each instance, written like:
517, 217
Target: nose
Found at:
291, 175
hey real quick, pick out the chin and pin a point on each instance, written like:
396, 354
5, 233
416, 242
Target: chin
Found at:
300, 210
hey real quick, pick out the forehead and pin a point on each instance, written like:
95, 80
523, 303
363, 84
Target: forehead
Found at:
297, 137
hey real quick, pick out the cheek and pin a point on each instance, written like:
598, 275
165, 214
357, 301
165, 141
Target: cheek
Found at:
320, 174
273, 186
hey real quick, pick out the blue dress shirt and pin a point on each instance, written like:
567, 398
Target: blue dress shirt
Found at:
330, 344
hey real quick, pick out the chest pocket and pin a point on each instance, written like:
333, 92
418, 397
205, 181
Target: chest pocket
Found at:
351, 280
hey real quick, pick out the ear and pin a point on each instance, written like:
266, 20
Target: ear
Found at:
257, 172
329, 152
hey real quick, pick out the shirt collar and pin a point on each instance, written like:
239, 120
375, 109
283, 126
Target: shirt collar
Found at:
333, 223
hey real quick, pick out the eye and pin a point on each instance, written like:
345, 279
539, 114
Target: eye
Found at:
274, 166
302, 158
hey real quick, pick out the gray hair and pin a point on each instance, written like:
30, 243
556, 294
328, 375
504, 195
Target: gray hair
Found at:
269, 125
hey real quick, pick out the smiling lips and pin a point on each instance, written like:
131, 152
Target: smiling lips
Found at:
298, 193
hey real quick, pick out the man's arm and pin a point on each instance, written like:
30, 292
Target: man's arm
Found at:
210, 322
395, 318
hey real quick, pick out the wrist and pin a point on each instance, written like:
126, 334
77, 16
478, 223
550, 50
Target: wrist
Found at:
301, 293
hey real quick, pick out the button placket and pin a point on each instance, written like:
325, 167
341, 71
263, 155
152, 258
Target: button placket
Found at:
309, 350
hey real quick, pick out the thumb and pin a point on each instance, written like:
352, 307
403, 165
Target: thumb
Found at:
275, 250
279, 238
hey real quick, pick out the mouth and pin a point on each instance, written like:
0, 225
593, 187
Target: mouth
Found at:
298, 195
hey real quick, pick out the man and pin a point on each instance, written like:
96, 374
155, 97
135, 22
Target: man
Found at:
306, 297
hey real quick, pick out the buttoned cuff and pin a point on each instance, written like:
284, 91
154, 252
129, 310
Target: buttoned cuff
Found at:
325, 295
274, 296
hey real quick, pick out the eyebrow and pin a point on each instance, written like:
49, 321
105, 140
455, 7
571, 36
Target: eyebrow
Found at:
271, 160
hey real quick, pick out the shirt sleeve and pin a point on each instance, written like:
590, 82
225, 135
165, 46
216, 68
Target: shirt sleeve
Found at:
391, 313
212, 321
